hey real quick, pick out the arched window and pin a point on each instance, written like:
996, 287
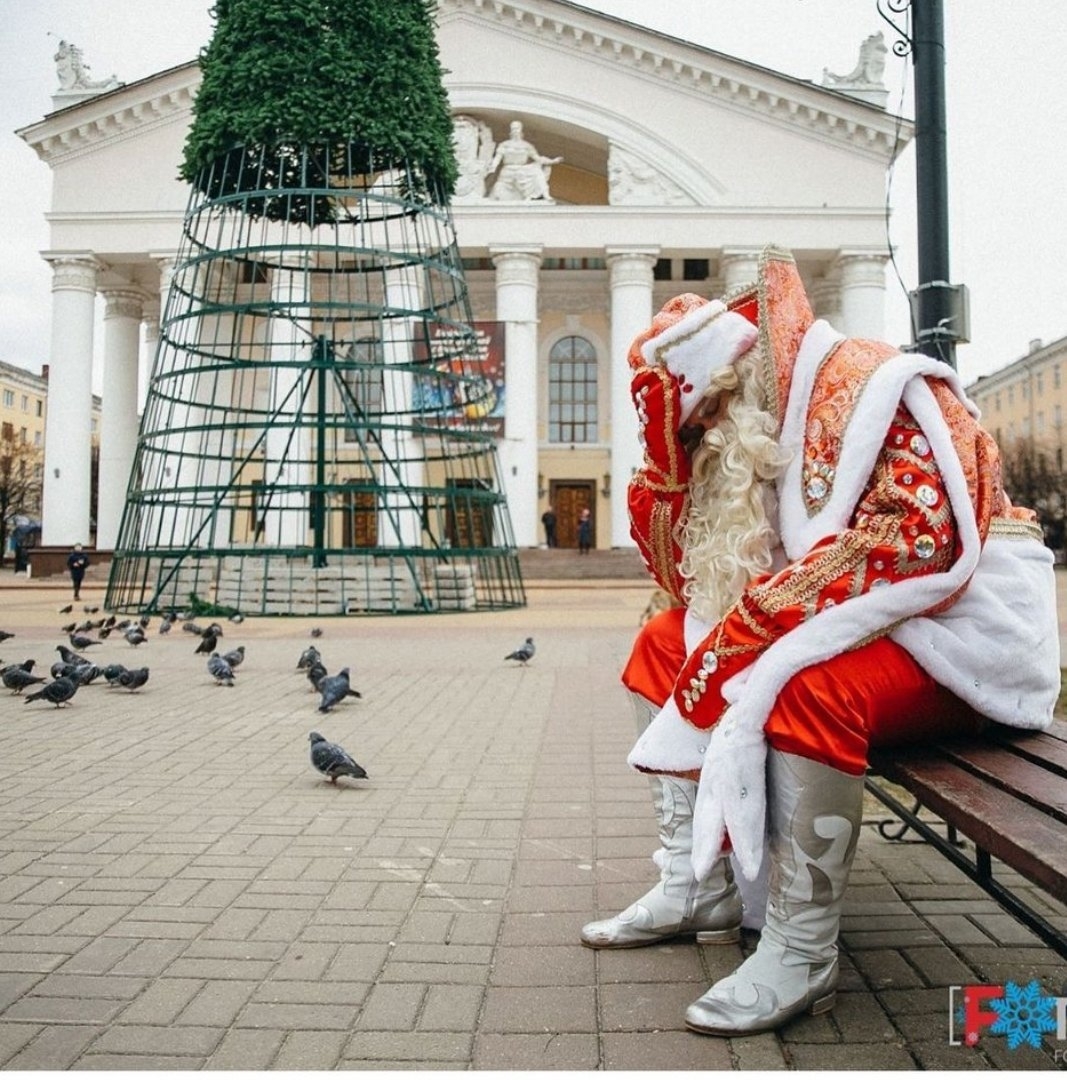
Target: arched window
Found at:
572, 375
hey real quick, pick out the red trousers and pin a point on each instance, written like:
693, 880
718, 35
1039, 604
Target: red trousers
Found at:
876, 695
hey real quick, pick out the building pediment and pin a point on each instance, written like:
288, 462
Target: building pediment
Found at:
700, 73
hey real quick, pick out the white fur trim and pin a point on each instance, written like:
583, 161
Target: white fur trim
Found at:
862, 441
706, 339
669, 743
1009, 611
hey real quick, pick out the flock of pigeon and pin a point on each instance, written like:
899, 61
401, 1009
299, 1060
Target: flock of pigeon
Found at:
73, 671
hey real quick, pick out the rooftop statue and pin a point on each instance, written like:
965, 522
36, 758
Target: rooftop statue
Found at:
73, 71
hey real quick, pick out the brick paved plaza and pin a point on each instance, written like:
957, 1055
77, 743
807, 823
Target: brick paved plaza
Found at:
179, 890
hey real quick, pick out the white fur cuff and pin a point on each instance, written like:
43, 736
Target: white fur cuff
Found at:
669, 743
698, 345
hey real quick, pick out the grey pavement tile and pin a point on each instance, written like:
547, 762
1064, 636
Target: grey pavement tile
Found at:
537, 929
138, 1063
543, 965
13, 986
217, 1004
60, 1010
646, 1006
162, 1002
297, 1016
676, 961
840, 1057
316, 992
310, 1050
666, 1051
758, 1052
407, 1046
451, 1008
13, 1037
391, 1007
241, 1050
886, 969
141, 958
53, 1048
536, 1053
531, 1010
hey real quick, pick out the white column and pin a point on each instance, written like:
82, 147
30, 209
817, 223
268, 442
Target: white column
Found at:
862, 295
517, 274
404, 469
118, 417
631, 314
825, 297
68, 423
738, 267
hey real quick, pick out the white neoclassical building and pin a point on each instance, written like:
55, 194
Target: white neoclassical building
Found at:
604, 169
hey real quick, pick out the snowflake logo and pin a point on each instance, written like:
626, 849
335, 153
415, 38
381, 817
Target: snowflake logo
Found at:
1024, 1013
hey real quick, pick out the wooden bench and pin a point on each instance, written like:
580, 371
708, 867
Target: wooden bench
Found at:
1005, 792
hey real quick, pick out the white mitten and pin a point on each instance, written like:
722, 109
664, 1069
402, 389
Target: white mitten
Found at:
731, 797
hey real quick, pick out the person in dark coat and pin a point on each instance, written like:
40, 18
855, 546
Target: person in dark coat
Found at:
77, 564
548, 519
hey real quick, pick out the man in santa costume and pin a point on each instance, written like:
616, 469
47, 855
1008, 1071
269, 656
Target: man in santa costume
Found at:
830, 520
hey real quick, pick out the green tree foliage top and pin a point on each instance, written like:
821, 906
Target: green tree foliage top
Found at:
364, 74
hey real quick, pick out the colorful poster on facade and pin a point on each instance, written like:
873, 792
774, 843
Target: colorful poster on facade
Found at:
470, 389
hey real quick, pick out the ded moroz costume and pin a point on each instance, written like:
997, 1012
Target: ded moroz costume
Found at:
894, 568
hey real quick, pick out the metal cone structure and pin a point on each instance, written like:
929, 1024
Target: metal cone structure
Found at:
317, 437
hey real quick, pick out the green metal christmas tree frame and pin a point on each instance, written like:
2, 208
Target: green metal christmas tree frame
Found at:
319, 436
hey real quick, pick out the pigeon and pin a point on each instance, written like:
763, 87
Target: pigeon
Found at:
334, 689
309, 656
222, 671
190, 627
134, 680
134, 635
69, 656
57, 692
316, 632
235, 658
112, 673
60, 669
165, 625
66, 610
523, 653
215, 629
143, 622
207, 643
105, 632
69, 628
16, 679
84, 674
316, 672
5, 634
80, 641
332, 760
90, 610
237, 617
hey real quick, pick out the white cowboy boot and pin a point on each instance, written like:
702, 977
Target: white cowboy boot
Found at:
815, 821
677, 903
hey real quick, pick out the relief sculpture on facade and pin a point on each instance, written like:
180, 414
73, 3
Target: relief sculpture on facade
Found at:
522, 173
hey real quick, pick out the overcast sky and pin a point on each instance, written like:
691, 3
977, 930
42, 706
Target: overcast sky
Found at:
1007, 122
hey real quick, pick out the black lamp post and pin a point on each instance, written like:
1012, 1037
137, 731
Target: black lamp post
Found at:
940, 314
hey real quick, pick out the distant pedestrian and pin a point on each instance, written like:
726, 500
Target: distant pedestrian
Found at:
585, 531
77, 564
548, 519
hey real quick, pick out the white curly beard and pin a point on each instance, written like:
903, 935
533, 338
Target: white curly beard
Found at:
728, 535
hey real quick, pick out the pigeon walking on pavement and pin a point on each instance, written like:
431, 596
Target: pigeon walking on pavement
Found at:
220, 670
5, 634
134, 680
332, 760
208, 642
134, 635
112, 673
235, 657
524, 653
57, 692
16, 678
309, 656
334, 689
80, 641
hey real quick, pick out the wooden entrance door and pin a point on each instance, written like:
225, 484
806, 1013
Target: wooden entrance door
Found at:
569, 498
